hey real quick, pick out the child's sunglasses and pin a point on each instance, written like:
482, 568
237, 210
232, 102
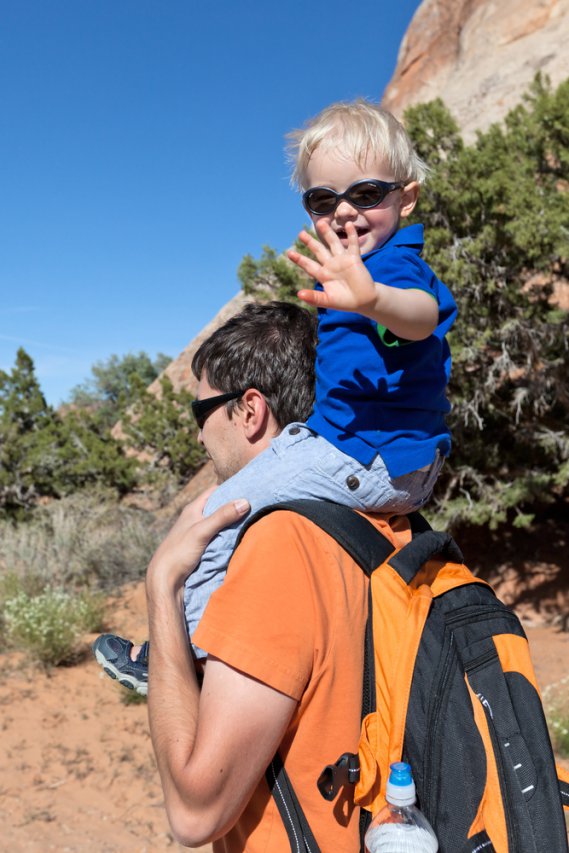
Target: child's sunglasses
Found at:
321, 201
202, 408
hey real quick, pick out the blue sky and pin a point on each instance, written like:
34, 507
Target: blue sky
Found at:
141, 156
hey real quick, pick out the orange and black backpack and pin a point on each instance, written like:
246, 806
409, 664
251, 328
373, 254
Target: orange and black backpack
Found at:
448, 687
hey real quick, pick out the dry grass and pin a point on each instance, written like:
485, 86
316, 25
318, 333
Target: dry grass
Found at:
87, 540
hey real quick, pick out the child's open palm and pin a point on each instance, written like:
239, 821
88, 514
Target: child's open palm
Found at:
347, 284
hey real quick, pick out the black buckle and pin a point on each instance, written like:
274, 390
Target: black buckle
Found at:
346, 771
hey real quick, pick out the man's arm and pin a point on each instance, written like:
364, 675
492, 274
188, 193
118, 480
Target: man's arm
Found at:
213, 747
348, 286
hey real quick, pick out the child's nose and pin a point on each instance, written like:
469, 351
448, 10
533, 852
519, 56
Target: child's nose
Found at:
346, 211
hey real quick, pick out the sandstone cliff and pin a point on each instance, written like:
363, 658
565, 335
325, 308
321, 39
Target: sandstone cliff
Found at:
479, 56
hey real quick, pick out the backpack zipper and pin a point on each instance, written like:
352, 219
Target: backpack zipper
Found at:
481, 660
430, 772
478, 612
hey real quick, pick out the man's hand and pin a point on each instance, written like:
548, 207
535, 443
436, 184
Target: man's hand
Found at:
181, 550
347, 284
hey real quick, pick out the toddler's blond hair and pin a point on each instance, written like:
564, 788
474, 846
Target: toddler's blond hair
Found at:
358, 130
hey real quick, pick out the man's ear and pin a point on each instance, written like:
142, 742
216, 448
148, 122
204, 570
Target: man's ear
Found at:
255, 414
409, 198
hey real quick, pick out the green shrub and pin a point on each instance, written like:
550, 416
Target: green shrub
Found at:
49, 626
496, 214
112, 386
161, 428
12, 584
50, 454
43, 454
273, 276
55, 566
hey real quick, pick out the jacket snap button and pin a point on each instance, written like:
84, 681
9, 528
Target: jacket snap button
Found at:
352, 482
294, 431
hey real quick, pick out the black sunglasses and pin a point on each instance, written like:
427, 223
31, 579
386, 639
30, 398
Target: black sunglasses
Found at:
321, 201
202, 408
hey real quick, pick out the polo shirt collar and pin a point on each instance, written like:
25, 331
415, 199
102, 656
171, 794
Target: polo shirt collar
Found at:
411, 236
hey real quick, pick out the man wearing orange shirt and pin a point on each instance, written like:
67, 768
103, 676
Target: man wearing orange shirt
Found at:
284, 637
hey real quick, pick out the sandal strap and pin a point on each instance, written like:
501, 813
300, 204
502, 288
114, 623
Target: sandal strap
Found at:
142, 656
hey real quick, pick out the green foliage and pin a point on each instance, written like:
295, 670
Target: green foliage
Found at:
161, 426
497, 227
273, 276
157, 427
435, 133
43, 454
114, 384
49, 454
24, 417
49, 625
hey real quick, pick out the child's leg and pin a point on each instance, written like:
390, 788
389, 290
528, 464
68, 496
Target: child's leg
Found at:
289, 468
298, 464
371, 488
258, 482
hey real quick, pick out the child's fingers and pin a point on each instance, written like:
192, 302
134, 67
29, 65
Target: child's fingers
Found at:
314, 297
353, 244
317, 248
330, 237
310, 266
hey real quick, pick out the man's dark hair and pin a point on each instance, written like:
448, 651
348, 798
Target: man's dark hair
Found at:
270, 347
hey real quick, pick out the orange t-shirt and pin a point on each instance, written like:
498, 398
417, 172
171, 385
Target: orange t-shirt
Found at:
291, 613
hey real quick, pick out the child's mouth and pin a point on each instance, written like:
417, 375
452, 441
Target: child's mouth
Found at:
360, 231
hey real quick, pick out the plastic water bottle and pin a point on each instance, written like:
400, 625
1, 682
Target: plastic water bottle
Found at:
400, 827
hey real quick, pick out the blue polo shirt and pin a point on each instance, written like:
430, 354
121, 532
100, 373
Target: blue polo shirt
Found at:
374, 392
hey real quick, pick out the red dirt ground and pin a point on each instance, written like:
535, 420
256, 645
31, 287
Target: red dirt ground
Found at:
76, 767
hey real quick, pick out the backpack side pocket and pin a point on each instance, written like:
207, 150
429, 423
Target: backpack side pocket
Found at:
522, 749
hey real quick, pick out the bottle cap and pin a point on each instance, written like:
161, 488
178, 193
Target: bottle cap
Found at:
400, 786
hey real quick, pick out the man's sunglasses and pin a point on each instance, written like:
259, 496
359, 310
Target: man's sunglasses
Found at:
321, 201
201, 409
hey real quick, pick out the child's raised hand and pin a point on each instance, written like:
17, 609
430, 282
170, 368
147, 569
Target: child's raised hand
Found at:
347, 284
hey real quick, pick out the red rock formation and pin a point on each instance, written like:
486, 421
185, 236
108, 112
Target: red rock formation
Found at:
479, 56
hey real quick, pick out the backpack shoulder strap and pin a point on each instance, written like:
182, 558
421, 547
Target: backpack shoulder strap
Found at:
354, 533
421, 549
